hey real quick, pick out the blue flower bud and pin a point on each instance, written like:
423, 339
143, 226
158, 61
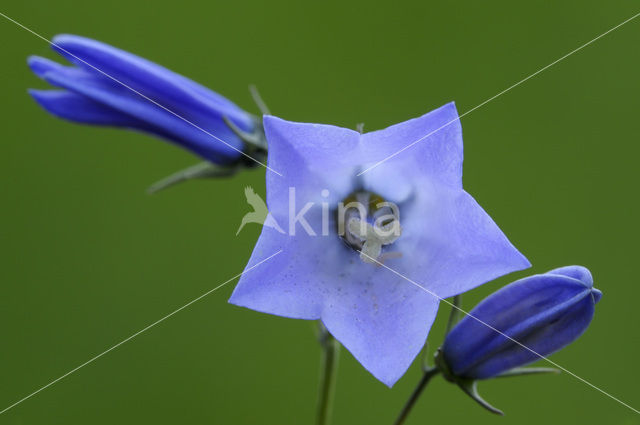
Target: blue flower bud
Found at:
110, 87
543, 312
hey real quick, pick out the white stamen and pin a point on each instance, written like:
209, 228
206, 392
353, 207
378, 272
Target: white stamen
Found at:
370, 252
374, 237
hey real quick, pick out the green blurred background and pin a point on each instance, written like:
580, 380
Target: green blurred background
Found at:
87, 258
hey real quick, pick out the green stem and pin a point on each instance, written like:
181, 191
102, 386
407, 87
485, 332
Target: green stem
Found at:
428, 374
330, 351
455, 313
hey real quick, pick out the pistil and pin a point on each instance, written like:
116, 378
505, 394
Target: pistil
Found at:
367, 223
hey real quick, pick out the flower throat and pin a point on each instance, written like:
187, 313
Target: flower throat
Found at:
367, 222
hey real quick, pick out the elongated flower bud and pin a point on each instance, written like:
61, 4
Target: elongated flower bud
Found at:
111, 87
543, 312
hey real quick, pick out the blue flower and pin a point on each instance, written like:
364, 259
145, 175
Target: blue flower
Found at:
543, 312
443, 239
88, 95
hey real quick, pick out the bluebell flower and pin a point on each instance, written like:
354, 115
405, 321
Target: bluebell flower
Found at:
543, 312
88, 95
443, 239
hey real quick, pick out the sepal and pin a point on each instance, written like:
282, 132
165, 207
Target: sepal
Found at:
469, 386
520, 371
255, 140
424, 359
255, 147
200, 170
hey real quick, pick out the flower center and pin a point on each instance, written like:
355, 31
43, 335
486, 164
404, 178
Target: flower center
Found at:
366, 222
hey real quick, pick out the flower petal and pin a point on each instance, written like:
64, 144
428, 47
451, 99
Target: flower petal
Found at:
283, 286
382, 320
80, 109
118, 98
168, 88
451, 245
73, 107
577, 272
429, 147
317, 157
542, 312
448, 243
41, 66
543, 341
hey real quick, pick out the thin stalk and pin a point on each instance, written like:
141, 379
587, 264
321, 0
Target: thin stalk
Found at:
428, 374
329, 366
454, 315
258, 100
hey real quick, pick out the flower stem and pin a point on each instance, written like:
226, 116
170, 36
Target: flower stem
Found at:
428, 374
329, 366
454, 315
